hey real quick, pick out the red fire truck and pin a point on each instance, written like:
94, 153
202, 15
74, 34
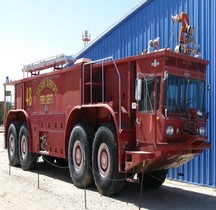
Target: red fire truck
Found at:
110, 119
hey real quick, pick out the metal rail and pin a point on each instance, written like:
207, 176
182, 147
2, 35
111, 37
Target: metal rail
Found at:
47, 63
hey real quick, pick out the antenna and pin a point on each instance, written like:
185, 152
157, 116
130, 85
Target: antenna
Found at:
86, 36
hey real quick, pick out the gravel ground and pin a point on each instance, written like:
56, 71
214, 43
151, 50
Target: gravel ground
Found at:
52, 188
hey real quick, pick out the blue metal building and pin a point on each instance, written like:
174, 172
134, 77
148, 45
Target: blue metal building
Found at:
148, 20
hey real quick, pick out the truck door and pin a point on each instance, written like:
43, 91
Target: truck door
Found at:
148, 97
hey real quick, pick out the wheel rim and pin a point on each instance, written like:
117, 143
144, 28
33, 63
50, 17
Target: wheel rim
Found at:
23, 147
77, 156
103, 160
11, 144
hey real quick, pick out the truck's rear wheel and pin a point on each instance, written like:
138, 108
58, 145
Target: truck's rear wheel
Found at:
27, 159
153, 179
12, 144
79, 155
105, 161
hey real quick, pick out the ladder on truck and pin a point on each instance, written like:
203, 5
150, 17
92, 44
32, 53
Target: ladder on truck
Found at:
51, 62
88, 66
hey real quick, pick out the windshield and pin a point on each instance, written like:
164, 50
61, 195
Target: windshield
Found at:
181, 94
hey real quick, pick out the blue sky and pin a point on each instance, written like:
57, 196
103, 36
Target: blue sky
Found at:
33, 30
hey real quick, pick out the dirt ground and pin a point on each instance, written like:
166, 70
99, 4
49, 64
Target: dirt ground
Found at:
51, 188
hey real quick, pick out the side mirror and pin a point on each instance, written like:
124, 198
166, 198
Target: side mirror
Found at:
138, 89
166, 75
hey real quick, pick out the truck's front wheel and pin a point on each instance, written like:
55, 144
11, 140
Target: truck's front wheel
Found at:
153, 179
79, 155
105, 161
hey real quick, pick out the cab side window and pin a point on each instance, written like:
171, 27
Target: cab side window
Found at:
147, 101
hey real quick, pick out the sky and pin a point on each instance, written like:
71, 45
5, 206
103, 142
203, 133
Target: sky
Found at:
32, 30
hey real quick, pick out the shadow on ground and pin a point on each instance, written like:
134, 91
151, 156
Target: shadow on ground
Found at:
165, 197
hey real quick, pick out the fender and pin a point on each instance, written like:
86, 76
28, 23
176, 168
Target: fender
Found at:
18, 115
77, 115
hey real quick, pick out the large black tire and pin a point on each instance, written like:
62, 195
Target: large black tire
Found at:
28, 159
79, 155
105, 161
153, 179
12, 144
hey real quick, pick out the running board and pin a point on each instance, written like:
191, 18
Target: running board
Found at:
137, 158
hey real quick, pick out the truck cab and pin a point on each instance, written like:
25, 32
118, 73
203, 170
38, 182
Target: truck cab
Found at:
171, 116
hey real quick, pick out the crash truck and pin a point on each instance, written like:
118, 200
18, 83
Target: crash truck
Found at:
110, 120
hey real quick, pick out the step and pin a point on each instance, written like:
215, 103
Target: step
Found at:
135, 158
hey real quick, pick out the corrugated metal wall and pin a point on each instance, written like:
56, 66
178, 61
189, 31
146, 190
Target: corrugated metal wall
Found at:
152, 19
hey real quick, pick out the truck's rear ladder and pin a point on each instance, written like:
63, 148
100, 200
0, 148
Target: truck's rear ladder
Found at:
102, 61
55, 61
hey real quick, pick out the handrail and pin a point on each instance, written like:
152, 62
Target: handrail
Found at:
103, 98
119, 76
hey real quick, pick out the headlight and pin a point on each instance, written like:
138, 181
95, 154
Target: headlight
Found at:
169, 130
202, 131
